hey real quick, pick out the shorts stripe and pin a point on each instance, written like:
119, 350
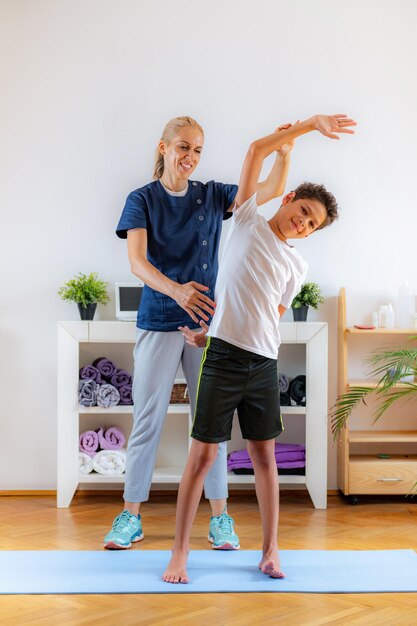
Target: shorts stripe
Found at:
203, 358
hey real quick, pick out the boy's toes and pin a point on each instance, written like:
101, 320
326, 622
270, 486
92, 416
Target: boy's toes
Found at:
276, 573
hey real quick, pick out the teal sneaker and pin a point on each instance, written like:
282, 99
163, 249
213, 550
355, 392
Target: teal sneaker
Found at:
222, 533
126, 529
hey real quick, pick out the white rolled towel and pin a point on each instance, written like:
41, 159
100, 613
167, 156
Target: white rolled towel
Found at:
110, 462
85, 463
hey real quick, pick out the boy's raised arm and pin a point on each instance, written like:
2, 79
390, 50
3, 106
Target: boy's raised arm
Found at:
328, 125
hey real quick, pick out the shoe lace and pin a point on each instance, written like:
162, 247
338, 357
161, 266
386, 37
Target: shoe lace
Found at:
122, 521
226, 524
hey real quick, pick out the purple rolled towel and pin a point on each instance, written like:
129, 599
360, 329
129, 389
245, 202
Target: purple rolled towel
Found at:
106, 367
89, 442
111, 439
107, 396
126, 394
121, 378
87, 392
90, 372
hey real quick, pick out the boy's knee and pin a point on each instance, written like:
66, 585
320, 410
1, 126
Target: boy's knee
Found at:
203, 458
260, 455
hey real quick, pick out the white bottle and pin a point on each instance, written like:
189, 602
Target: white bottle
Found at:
406, 305
390, 316
382, 316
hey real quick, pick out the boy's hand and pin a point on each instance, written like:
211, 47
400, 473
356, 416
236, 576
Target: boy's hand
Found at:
286, 148
328, 125
195, 339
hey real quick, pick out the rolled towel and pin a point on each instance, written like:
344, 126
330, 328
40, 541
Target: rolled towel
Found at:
87, 392
121, 378
89, 372
298, 390
89, 442
110, 462
284, 383
107, 396
125, 394
284, 398
85, 463
106, 367
111, 439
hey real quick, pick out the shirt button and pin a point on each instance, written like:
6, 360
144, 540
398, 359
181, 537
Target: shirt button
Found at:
204, 242
205, 266
199, 201
201, 217
194, 184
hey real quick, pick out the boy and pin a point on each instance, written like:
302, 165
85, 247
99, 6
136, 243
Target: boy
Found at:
260, 273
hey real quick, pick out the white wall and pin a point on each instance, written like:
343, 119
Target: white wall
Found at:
87, 86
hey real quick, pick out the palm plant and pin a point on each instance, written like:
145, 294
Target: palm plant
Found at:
396, 373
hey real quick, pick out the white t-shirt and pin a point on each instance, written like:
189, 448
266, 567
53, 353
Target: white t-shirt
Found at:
258, 272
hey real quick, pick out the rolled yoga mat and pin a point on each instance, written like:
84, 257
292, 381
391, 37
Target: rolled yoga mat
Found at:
210, 571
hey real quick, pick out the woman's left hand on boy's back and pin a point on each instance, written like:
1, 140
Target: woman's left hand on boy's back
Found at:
196, 339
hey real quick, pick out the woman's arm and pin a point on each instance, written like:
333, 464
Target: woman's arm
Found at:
327, 125
187, 296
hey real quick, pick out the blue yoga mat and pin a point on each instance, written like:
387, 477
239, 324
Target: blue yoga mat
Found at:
210, 571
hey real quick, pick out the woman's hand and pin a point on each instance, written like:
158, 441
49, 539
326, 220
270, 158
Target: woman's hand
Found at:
328, 125
189, 298
196, 339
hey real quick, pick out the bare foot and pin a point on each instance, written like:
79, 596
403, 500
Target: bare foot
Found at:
270, 565
176, 571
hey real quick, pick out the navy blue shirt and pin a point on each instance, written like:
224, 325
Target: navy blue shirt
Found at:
183, 242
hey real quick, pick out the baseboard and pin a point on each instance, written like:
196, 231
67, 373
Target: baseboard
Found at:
111, 492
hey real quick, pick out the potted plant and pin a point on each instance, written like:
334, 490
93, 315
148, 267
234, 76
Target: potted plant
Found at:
86, 291
310, 295
391, 368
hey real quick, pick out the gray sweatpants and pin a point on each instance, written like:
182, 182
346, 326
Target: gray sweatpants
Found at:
157, 357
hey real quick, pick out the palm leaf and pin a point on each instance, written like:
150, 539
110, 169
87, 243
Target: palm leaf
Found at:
344, 406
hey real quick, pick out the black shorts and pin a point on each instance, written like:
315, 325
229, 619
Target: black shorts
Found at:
232, 378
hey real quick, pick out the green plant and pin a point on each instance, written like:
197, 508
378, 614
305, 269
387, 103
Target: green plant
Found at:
85, 290
310, 295
389, 367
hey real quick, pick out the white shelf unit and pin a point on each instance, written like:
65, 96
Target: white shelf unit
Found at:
175, 441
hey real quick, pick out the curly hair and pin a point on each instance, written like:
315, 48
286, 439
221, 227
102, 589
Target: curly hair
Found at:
320, 193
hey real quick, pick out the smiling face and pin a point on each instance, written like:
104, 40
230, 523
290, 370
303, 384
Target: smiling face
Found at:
181, 154
297, 219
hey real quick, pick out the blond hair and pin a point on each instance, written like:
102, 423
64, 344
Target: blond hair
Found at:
170, 130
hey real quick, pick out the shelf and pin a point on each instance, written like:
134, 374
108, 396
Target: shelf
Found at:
383, 436
173, 408
249, 479
382, 331
78, 341
373, 383
127, 410
173, 475
394, 458
100, 478
293, 410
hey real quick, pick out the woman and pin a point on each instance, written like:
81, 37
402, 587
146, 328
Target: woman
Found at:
173, 228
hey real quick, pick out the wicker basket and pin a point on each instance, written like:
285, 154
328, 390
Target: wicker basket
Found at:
179, 394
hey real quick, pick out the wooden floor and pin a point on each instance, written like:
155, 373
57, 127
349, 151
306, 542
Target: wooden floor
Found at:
33, 523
